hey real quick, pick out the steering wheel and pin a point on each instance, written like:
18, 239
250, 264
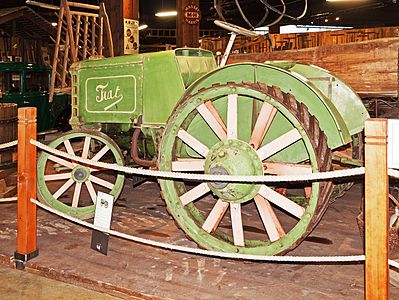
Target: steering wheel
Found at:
236, 29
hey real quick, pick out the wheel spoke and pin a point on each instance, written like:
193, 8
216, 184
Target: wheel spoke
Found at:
232, 116
101, 182
279, 144
100, 153
69, 148
76, 194
215, 114
236, 224
212, 121
278, 168
263, 122
188, 164
63, 188
55, 177
61, 161
86, 147
308, 192
91, 190
193, 142
194, 193
281, 201
215, 216
272, 225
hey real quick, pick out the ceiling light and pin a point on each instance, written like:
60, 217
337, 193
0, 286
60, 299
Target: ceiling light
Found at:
142, 27
54, 24
337, 19
346, 0
166, 14
325, 20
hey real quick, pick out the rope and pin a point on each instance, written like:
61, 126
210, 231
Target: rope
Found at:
393, 173
4, 200
204, 177
266, 258
9, 144
313, 259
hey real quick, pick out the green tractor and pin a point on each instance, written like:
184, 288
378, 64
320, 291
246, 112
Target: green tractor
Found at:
178, 111
27, 84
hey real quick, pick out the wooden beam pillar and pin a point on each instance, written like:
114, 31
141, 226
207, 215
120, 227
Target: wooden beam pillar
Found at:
26, 233
118, 10
187, 23
376, 210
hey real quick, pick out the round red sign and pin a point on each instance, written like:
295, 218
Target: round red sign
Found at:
192, 14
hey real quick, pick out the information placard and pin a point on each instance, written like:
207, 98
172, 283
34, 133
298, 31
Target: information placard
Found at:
393, 144
102, 218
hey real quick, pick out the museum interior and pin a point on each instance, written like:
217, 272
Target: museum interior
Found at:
199, 149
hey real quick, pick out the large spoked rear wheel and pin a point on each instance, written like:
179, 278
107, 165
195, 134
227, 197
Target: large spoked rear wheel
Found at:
244, 129
72, 187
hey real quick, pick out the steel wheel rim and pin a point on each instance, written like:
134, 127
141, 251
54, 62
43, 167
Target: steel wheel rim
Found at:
79, 178
188, 216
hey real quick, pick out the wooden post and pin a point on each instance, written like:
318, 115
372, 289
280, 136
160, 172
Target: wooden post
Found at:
26, 235
187, 23
376, 210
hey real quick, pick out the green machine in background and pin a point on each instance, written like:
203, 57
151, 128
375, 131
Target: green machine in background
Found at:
28, 84
180, 112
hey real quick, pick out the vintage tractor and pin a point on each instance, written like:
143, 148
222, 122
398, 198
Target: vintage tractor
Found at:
182, 113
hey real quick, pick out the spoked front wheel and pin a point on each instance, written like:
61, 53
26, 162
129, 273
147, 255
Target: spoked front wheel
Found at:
71, 187
244, 129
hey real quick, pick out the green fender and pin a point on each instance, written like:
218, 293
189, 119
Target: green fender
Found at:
344, 98
304, 90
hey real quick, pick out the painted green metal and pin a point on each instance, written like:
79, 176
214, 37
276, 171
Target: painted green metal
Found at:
26, 85
166, 88
233, 157
330, 120
343, 97
189, 217
79, 174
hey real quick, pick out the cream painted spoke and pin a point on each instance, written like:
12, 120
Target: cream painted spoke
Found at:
193, 142
279, 168
236, 223
55, 177
76, 194
101, 182
281, 201
272, 225
194, 193
101, 153
212, 121
63, 188
91, 190
215, 216
61, 161
279, 144
263, 122
86, 147
69, 148
232, 116
308, 192
215, 114
188, 164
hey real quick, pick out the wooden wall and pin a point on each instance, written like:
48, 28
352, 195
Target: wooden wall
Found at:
369, 67
300, 40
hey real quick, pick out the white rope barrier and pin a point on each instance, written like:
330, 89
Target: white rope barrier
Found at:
284, 259
204, 177
9, 144
6, 200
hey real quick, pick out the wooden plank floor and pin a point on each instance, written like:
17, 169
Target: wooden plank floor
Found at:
141, 272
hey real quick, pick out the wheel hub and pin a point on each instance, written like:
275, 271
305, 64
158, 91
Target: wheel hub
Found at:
233, 157
80, 174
